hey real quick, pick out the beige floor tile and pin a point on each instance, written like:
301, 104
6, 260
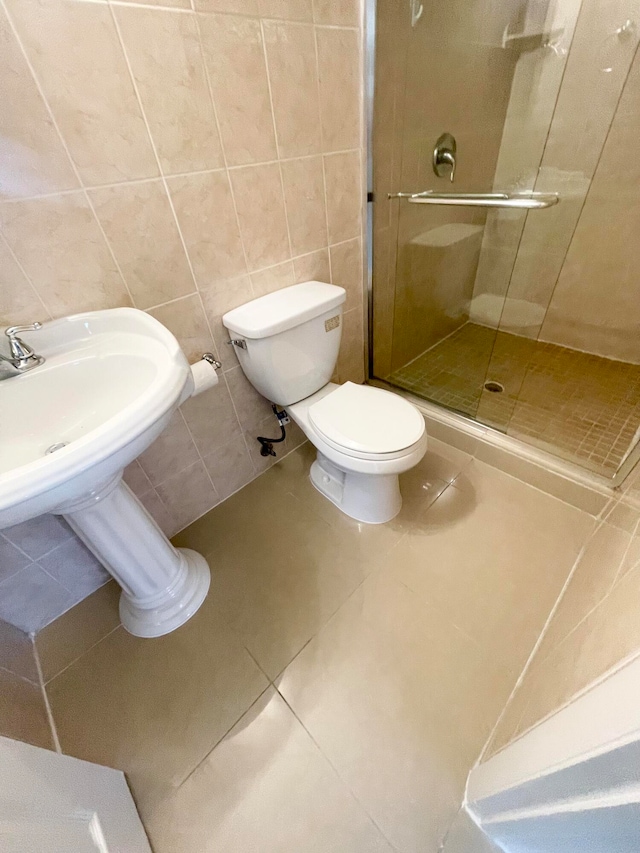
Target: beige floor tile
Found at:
493, 554
80, 628
266, 787
155, 708
401, 702
281, 567
22, 711
593, 578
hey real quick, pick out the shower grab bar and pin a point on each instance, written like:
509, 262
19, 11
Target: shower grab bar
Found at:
531, 201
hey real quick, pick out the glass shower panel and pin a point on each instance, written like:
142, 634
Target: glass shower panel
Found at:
494, 312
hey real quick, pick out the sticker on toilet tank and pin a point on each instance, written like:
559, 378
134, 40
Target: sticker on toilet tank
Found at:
332, 323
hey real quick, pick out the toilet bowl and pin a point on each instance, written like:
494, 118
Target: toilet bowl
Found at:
287, 343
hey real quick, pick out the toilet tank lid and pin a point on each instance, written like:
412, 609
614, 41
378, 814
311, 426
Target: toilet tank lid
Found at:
283, 309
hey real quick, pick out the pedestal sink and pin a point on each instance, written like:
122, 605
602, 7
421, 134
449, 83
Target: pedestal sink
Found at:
108, 387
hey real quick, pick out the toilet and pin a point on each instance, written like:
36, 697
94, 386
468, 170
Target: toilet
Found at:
287, 343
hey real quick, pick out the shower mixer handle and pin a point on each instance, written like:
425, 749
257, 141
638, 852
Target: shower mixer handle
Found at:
444, 156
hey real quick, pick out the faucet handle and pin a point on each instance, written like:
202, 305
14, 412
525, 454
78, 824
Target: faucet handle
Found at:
21, 351
12, 331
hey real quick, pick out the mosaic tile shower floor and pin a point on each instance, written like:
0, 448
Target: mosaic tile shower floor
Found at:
582, 407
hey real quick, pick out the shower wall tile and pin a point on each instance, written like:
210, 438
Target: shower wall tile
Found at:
196, 180
560, 258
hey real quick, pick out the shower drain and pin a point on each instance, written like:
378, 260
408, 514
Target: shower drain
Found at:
494, 387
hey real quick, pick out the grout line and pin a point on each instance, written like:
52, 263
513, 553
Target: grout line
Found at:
24, 273
222, 737
63, 142
154, 149
322, 146
275, 136
168, 175
17, 674
47, 706
86, 651
338, 776
223, 150
532, 655
619, 665
177, 224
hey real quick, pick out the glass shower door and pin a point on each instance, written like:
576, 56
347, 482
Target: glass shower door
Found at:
483, 309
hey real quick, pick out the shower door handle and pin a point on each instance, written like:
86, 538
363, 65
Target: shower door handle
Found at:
529, 201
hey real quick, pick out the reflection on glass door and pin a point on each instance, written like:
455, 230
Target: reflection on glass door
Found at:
488, 298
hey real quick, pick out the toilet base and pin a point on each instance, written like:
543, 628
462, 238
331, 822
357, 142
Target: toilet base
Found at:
372, 498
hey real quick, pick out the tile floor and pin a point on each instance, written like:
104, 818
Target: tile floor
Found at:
340, 680
580, 406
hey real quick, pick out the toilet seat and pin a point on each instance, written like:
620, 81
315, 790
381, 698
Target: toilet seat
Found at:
367, 423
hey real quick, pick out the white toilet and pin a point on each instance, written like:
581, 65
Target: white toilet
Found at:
287, 343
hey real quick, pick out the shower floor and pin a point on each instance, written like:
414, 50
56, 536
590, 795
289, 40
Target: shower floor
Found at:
581, 406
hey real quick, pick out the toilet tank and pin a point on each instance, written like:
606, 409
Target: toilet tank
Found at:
289, 339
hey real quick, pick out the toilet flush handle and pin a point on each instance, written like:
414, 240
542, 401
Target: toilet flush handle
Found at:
238, 342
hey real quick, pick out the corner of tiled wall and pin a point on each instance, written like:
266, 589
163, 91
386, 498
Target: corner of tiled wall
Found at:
23, 713
182, 158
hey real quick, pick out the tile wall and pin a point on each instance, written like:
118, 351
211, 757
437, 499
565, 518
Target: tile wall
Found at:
571, 128
181, 158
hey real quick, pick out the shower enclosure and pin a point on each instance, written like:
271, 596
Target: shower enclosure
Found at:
505, 173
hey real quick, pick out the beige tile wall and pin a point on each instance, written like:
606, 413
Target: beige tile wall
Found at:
182, 158
594, 627
571, 129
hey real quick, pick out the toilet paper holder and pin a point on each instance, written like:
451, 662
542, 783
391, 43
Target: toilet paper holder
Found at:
210, 357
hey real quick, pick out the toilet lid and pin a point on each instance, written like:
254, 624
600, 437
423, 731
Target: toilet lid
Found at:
366, 419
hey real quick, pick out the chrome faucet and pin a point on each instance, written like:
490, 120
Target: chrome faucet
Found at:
23, 357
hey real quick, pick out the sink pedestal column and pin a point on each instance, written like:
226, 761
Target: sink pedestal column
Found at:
162, 587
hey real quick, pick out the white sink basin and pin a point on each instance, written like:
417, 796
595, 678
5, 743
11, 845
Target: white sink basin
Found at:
110, 382
109, 385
